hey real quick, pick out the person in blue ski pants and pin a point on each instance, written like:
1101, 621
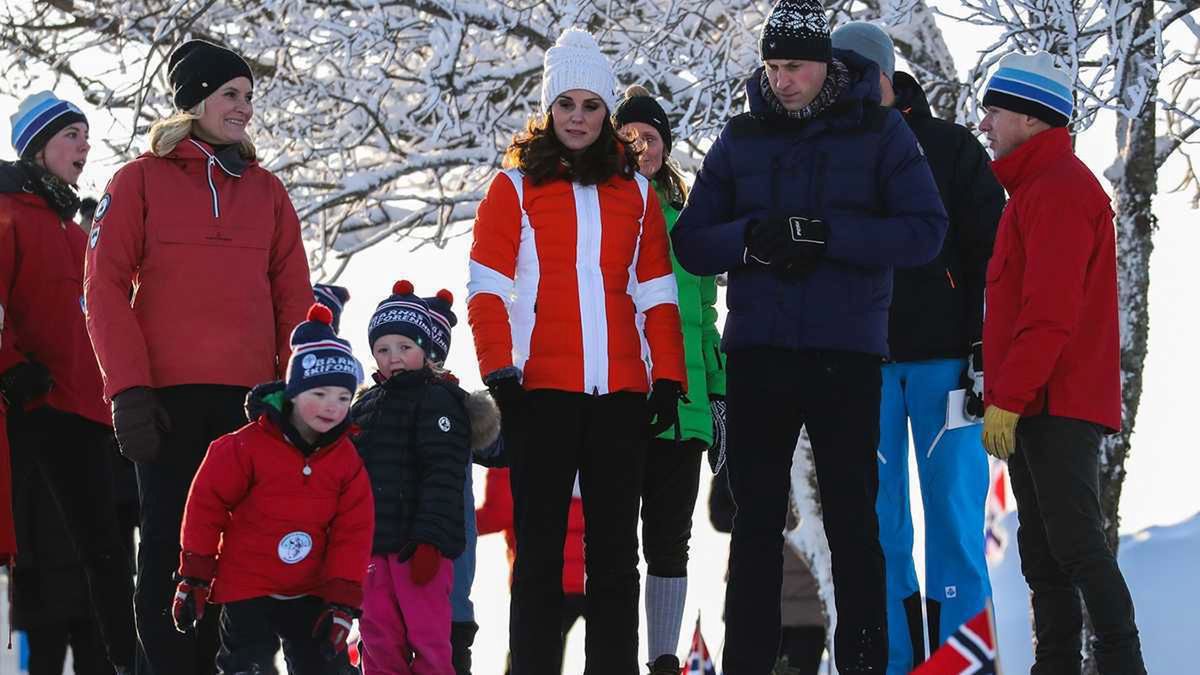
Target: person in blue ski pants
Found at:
935, 327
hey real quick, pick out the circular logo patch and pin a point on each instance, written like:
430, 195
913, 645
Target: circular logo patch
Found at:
94, 237
102, 207
309, 361
444, 424
294, 547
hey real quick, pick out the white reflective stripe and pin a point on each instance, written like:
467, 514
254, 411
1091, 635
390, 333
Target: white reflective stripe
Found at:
484, 279
644, 187
519, 293
592, 315
659, 291
180, 595
341, 622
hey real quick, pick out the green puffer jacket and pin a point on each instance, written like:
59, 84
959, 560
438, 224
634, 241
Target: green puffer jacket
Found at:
701, 344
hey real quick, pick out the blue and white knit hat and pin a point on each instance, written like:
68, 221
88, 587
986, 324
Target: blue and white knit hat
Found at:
1031, 84
320, 358
443, 319
38, 118
333, 297
576, 62
402, 313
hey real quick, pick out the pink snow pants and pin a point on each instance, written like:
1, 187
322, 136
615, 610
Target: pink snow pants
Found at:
405, 627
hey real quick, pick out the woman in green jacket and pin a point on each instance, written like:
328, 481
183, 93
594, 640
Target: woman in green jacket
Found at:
672, 475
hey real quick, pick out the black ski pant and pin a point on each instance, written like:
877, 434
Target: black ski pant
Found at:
573, 606
48, 648
71, 453
199, 415
1055, 476
669, 491
602, 438
253, 630
771, 394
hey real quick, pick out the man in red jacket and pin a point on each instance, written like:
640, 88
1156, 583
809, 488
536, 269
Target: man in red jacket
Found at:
1053, 353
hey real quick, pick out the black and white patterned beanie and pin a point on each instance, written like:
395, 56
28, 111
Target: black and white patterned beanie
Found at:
797, 30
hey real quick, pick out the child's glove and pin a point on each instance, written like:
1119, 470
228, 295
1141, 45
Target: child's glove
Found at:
423, 565
188, 607
333, 627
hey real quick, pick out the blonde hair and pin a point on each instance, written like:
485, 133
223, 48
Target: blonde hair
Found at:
169, 132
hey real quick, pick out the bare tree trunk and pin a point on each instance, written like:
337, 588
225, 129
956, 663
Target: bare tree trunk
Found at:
1134, 177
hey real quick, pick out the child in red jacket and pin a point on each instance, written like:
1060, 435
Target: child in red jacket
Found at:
280, 516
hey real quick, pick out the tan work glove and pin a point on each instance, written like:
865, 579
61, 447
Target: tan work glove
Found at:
1000, 432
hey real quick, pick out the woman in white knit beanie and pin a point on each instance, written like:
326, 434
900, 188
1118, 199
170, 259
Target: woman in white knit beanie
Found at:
570, 277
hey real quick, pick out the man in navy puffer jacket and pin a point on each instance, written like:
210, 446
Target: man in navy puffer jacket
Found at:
808, 202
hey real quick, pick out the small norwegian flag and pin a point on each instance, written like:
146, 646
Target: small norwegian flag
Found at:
995, 538
698, 661
971, 650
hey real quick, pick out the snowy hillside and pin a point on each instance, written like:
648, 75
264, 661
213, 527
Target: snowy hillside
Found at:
1160, 564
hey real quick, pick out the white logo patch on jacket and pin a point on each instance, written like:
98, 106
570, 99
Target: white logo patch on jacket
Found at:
444, 423
294, 547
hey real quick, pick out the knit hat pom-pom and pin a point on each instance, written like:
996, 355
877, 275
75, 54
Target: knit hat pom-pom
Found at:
320, 313
636, 90
578, 38
402, 287
446, 295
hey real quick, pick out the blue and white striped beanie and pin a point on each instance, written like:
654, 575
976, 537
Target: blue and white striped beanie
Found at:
1031, 84
38, 118
402, 313
320, 358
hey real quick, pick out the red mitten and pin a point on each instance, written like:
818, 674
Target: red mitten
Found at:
187, 609
424, 563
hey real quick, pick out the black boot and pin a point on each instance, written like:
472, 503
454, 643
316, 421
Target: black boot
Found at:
667, 664
462, 636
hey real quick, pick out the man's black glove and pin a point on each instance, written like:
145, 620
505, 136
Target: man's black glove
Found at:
665, 396
972, 381
25, 382
716, 451
139, 421
791, 243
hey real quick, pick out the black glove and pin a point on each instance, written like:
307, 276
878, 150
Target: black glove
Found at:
665, 396
139, 421
25, 382
716, 451
333, 628
972, 381
191, 597
791, 243
508, 394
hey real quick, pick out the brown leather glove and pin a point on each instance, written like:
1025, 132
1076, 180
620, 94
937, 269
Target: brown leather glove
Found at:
139, 421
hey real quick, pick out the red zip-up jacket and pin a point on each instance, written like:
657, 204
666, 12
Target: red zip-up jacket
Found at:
212, 246
496, 515
41, 289
277, 522
1051, 342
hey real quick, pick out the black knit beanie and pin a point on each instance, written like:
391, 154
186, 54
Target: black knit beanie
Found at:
646, 110
197, 67
797, 30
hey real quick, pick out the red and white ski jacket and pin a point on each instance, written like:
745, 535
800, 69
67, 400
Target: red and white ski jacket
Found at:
572, 284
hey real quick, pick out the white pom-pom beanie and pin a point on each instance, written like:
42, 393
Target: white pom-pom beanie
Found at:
576, 62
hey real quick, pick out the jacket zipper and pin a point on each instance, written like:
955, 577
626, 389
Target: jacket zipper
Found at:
212, 186
592, 244
950, 277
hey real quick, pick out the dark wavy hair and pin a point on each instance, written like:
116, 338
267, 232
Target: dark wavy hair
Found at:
539, 154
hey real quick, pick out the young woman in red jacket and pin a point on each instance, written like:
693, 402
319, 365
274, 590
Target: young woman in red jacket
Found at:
210, 244
279, 519
571, 295
49, 381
